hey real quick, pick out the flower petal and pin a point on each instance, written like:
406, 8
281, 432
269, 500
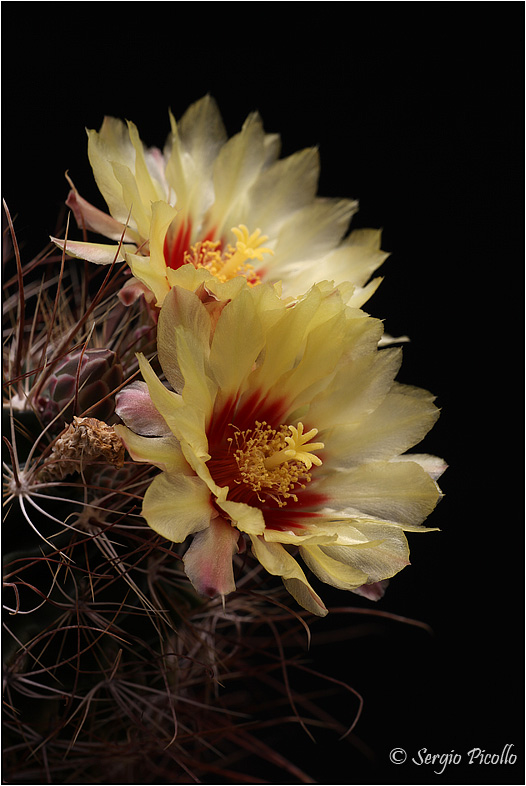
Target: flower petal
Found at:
145, 273
277, 561
236, 167
99, 253
112, 143
286, 186
149, 185
433, 465
162, 215
151, 270
163, 452
245, 517
373, 591
176, 506
208, 561
400, 492
382, 553
237, 342
91, 218
190, 153
284, 339
313, 231
135, 407
332, 571
185, 310
401, 420
357, 389
357, 258
315, 535
361, 295
164, 400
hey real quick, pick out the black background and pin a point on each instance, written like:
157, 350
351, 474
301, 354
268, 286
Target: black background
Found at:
417, 109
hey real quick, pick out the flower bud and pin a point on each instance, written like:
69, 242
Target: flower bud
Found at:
80, 381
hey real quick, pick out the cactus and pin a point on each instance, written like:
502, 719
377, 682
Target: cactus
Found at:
115, 670
83, 380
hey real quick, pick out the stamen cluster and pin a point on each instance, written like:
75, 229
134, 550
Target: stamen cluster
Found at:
254, 447
232, 261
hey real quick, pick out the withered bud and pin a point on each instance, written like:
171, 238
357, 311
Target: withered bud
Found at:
84, 442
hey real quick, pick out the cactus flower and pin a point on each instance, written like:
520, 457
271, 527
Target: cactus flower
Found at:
280, 429
213, 202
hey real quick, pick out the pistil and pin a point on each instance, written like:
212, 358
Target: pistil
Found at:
295, 451
233, 261
248, 246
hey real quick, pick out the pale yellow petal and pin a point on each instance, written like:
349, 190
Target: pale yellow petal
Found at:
92, 219
332, 571
284, 187
140, 213
199, 390
283, 341
278, 562
357, 257
190, 153
162, 215
188, 277
382, 555
165, 401
145, 272
304, 595
237, 342
176, 506
162, 452
320, 358
181, 308
433, 465
236, 167
246, 518
315, 534
361, 295
311, 340
401, 492
149, 188
313, 231
111, 144
357, 389
401, 420
186, 422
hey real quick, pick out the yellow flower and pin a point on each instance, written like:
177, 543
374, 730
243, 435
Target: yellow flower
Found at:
204, 197
281, 428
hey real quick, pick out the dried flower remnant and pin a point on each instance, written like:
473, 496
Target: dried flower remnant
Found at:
183, 205
85, 441
288, 434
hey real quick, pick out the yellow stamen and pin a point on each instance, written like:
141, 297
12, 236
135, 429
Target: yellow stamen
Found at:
294, 452
232, 261
270, 468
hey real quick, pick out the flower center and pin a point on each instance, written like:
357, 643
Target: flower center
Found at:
273, 464
234, 260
